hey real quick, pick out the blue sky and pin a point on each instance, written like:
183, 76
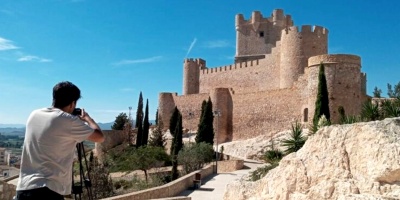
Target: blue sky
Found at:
113, 50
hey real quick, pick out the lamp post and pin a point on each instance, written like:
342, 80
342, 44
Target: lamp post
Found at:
217, 114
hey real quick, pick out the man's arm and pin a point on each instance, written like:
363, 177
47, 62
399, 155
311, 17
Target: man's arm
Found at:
97, 135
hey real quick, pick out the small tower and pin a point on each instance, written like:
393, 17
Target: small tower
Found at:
191, 75
296, 47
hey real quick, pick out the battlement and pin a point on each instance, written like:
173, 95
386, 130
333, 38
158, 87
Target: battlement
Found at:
334, 58
277, 18
251, 63
306, 29
198, 61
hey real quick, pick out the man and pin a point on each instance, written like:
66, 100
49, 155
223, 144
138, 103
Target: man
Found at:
50, 140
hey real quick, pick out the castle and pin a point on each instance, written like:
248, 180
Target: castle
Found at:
271, 84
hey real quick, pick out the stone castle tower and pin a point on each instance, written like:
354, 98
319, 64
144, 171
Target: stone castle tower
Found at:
272, 82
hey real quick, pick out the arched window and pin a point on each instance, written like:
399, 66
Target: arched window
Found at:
305, 114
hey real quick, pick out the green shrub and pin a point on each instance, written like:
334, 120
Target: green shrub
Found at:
261, 172
296, 140
195, 155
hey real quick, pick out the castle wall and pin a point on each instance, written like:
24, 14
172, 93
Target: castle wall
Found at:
344, 81
112, 138
250, 76
263, 112
190, 108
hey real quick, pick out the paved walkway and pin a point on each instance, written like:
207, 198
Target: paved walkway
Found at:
213, 187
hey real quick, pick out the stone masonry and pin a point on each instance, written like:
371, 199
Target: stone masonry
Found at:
271, 84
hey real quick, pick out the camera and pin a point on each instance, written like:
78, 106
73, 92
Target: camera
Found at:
77, 111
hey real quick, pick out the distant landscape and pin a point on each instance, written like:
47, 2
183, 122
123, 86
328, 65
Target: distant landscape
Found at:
19, 129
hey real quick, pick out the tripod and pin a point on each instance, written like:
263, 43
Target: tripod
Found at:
77, 188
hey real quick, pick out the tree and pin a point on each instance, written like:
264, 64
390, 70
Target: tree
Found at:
102, 185
394, 93
157, 139
322, 102
156, 117
195, 155
391, 108
296, 140
146, 125
147, 157
176, 146
139, 121
370, 111
120, 122
205, 132
377, 92
173, 121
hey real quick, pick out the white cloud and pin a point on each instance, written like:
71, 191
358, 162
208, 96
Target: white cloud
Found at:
217, 44
144, 60
127, 90
191, 47
33, 59
6, 44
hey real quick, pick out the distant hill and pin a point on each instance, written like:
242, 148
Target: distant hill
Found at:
12, 125
13, 131
105, 126
19, 129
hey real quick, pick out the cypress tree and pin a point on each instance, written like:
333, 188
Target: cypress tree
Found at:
205, 132
156, 117
146, 124
139, 121
203, 109
322, 102
177, 145
173, 121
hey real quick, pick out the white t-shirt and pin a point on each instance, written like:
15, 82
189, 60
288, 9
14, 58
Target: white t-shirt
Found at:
50, 143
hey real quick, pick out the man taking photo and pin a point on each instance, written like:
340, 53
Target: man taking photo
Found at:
50, 140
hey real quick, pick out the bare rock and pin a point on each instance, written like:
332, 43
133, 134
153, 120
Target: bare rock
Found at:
348, 162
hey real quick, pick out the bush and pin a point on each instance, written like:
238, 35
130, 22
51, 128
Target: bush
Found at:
194, 156
370, 112
261, 172
296, 140
273, 156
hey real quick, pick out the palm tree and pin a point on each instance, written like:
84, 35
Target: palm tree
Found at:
370, 111
391, 108
296, 140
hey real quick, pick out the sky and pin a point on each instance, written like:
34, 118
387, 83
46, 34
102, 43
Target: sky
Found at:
113, 50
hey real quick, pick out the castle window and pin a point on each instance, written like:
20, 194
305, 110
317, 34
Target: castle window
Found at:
261, 34
305, 114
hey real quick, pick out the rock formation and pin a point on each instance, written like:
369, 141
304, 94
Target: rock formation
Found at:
357, 161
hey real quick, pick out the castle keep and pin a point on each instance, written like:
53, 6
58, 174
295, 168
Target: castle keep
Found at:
272, 83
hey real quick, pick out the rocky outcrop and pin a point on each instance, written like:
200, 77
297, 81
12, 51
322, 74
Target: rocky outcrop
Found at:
254, 148
348, 162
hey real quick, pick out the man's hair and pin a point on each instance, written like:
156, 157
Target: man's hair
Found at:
64, 93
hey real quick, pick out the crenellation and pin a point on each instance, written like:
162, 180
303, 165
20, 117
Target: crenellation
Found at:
272, 81
306, 29
239, 20
320, 29
278, 17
